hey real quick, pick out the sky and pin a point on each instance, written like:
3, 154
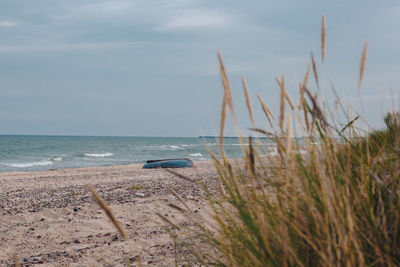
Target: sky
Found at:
150, 68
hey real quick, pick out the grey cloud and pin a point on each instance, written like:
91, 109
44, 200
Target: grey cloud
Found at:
196, 19
7, 23
69, 47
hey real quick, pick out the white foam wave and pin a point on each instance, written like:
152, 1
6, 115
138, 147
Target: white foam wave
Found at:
191, 145
28, 164
56, 159
196, 155
102, 155
174, 147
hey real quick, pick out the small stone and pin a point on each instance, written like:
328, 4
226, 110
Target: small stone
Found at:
37, 258
42, 219
75, 209
115, 238
76, 241
25, 260
139, 194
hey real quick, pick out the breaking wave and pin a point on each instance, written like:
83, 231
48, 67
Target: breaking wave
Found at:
56, 159
174, 147
28, 164
101, 155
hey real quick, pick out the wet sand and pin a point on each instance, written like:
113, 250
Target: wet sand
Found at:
50, 218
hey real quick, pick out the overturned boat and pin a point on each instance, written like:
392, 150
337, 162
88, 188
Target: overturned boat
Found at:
168, 163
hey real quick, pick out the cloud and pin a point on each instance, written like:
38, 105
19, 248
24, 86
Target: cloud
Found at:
7, 23
69, 47
109, 7
196, 19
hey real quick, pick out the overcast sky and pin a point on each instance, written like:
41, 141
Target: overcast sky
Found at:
149, 67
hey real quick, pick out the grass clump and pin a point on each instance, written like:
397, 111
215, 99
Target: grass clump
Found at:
331, 198
137, 187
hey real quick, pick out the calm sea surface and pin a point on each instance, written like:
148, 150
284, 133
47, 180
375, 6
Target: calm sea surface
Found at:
35, 153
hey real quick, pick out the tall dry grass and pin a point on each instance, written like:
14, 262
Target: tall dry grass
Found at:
329, 199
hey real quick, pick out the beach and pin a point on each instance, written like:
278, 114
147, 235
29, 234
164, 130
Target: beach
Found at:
51, 218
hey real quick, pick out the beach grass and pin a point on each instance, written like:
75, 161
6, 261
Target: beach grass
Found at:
331, 198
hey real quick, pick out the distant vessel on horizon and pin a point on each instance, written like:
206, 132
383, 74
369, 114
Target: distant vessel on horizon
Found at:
228, 137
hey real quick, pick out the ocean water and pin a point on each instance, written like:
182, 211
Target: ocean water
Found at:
36, 153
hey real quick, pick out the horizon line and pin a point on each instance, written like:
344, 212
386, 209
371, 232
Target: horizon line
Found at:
79, 135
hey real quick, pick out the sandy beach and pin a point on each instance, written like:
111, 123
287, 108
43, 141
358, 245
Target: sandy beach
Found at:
50, 218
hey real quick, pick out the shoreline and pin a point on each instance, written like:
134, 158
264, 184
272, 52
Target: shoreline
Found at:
91, 167
51, 215
66, 169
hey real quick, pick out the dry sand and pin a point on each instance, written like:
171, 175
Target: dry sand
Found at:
50, 218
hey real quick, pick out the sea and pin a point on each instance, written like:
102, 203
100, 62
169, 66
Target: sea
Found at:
22, 153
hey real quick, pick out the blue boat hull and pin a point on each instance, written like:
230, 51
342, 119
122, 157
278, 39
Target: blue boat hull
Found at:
168, 163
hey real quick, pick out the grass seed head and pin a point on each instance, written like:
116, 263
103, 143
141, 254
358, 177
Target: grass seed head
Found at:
108, 212
363, 64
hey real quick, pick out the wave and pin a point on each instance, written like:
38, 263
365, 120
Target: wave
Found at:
174, 147
236, 144
168, 147
56, 159
191, 145
28, 164
196, 155
101, 155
